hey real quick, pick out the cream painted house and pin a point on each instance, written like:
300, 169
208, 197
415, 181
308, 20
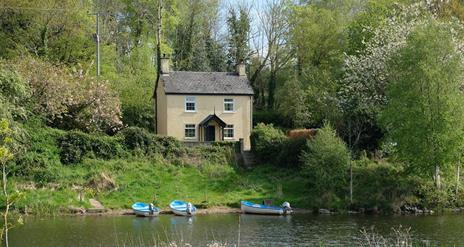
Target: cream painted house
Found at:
204, 106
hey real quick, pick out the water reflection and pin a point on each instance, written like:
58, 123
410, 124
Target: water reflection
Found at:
252, 230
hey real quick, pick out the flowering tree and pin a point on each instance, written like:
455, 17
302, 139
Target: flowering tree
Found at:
367, 74
69, 99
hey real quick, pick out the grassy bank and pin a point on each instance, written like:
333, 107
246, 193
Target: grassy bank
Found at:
119, 183
60, 169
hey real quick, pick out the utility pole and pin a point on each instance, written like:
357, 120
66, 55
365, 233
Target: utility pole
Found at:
351, 165
158, 60
97, 39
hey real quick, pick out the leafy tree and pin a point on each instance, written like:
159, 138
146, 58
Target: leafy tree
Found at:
238, 23
8, 198
424, 114
361, 94
294, 108
58, 30
14, 94
325, 163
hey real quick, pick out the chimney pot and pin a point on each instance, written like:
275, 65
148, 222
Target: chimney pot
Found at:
165, 67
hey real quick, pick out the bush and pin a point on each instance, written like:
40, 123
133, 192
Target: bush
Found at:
325, 164
75, 145
139, 116
267, 141
382, 185
291, 150
138, 139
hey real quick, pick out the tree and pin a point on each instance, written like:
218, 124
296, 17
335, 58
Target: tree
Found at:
58, 30
294, 108
238, 23
325, 163
276, 27
361, 94
69, 99
8, 198
424, 114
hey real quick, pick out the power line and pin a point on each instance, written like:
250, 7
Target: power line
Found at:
38, 9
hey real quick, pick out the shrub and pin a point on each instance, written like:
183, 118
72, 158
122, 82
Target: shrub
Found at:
140, 116
325, 163
383, 185
138, 139
267, 141
291, 151
76, 145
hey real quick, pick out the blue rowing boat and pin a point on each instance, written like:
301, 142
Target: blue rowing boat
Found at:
254, 208
182, 208
145, 209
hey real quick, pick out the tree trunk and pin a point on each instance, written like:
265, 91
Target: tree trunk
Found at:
272, 87
437, 177
458, 171
7, 204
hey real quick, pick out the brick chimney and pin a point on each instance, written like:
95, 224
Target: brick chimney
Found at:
240, 67
165, 67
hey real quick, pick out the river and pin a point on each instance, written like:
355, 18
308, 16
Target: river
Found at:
252, 230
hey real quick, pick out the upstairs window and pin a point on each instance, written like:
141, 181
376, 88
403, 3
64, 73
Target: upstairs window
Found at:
190, 131
229, 131
229, 105
190, 104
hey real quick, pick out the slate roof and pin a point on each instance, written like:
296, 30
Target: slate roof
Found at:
187, 82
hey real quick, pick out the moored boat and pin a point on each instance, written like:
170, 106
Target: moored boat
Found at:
182, 208
254, 208
145, 209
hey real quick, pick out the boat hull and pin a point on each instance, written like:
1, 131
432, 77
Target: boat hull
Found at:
182, 212
180, 208
255, 210
144, 209
145, 213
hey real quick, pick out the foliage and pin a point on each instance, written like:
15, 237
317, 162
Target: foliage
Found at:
75, 146
140, 140
238, 23
366, 76
270, 117
196, 47
383, 185
294, 108
61, 34
14, 94
70, 100
290, 152
266, 141
424, 113
325, 164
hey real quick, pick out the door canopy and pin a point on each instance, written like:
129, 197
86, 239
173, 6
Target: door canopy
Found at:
212, 117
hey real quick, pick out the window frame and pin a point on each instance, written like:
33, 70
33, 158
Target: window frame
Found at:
190, 99
192, 126
232, 102
229, 127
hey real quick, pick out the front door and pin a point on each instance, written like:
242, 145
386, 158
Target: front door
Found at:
210, 133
